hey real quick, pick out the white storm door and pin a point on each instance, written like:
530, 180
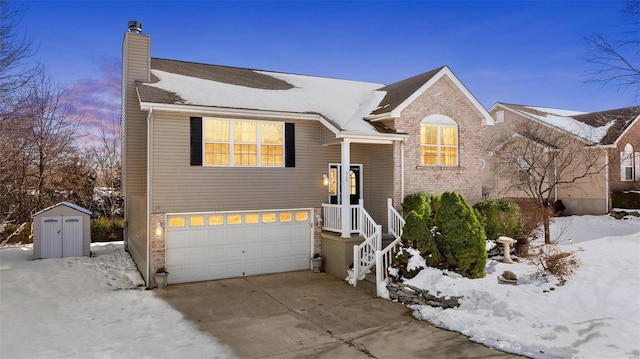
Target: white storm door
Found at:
72, 242
51, 237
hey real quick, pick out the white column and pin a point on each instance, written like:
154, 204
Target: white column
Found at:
345, 152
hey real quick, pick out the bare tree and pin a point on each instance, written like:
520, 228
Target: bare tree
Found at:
14, 50
537, 160
105, 161
53, 131
616, 63
40, 162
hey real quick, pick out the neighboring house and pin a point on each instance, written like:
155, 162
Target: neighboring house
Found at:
231, 171
613, 135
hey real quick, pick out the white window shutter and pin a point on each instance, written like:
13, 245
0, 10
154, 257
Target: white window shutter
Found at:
636, 162
623, 155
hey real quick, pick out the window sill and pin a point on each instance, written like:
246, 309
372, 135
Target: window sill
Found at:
425, 167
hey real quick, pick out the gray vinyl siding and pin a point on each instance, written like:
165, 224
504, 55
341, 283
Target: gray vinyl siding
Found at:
378, 181
377, 168
134, 147
179, 187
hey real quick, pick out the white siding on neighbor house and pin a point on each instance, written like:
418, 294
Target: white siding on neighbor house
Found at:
179, 187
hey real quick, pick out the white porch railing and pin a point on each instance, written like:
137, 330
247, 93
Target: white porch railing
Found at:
384, 257
332, 217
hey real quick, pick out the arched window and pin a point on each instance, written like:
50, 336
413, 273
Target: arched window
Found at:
626, 163
438, 141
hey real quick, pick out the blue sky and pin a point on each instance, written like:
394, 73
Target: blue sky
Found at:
524, 52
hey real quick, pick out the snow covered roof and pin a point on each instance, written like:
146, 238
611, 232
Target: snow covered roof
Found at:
602, 128
68, 204
343, 103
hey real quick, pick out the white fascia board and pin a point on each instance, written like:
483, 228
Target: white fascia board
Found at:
635, 122
218, 111
548, 125
487, 119
517, 135
383, 138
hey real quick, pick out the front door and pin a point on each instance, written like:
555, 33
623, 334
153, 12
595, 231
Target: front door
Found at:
355, 184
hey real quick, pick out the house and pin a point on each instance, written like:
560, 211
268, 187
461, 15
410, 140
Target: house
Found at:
611, 138
231, 171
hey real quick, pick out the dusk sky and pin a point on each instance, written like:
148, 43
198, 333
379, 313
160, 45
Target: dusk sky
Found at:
523, 52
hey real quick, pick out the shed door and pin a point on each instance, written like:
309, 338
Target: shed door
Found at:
51, 239
72, 242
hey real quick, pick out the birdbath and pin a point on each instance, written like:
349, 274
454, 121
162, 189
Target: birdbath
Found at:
506, 242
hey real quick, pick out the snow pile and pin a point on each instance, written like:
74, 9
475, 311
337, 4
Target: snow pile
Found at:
84, 307
596, 314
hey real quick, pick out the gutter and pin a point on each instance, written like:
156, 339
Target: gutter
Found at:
190, 109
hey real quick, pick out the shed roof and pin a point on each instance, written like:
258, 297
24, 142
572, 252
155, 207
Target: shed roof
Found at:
70, 205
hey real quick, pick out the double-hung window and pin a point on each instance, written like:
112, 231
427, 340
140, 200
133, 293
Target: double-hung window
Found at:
438, 141
243, 143
629, 164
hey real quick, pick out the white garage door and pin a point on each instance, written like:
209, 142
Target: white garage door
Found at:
226, 245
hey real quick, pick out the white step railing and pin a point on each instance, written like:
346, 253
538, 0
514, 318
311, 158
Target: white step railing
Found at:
384, 257
364, 254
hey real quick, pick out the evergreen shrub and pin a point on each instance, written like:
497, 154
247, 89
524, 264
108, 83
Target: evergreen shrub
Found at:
499, 217
462, 239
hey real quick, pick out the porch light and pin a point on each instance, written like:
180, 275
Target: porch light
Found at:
325, 179
158, 229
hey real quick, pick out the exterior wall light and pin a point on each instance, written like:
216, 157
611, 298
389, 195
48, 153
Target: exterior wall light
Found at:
325, 179
158, 229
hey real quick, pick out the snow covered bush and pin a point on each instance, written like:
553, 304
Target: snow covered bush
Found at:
407, 263
462, 239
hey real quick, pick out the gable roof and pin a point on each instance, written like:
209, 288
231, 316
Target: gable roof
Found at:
345, 105
398, 92
401, 94
67, 204
598, 128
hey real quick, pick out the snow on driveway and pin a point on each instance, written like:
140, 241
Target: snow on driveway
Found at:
85, 307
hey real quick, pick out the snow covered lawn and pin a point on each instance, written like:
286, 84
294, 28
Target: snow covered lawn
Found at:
90, 308
596, 314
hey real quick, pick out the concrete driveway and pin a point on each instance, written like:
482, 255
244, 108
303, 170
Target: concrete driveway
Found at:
312, 315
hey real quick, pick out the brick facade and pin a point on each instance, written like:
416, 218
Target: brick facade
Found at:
157, 230
445, 98
632, 136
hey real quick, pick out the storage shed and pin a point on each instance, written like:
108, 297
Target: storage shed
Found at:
62, 230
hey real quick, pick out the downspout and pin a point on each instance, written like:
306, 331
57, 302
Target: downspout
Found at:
555, 178
402, 170
148, 231
606, 180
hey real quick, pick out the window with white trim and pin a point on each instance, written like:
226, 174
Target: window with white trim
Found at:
438, 141
243, 143
626, 163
